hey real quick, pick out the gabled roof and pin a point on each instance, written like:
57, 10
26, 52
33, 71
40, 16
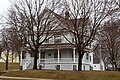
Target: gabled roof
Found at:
69, 23
96, 59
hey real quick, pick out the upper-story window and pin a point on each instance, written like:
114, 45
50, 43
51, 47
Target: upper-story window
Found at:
73, 40
87, 56
47, 41
57, 39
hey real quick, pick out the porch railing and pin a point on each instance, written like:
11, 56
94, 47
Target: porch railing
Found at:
26, 63
56, 60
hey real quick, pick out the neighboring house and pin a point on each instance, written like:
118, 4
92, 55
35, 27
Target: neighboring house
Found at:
98, 63
57, 53
11, 58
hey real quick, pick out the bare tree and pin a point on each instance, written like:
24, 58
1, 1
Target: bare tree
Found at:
102, 53
109, 39
6, 46
15, 42
83, 18
10, 42
34, 22
117, 2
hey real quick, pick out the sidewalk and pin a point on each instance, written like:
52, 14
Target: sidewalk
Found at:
22, 78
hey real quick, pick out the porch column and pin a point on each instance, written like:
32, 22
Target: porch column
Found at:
58, 55
74, 54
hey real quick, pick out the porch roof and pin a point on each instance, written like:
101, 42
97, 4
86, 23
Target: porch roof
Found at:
55, 46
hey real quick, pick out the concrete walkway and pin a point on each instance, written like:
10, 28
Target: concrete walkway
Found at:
22, 78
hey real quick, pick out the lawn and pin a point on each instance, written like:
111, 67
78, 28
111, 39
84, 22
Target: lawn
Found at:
10, 66
58, 75
66, 75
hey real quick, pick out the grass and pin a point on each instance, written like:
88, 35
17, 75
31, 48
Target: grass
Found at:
66, 75
58, 75
10, 66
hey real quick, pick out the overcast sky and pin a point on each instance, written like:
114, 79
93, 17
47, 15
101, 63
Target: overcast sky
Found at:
4, 5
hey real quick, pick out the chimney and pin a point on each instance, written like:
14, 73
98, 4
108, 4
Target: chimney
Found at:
67, 15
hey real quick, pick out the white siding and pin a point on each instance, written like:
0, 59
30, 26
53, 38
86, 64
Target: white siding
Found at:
28, 56
66, 53
96, 66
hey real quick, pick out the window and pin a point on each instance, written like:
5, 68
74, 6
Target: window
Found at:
94, 65
49, 54
60, 55
47, 41
23, 55
90, 58
42, 54
73, 40
72, 55
87, 56
55, 55
57, 38
91, 68
74, 67
83, 67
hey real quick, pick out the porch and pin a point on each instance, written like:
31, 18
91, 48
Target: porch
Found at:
55, 64
65, 59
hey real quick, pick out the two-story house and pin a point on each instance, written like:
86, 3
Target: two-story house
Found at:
57, 53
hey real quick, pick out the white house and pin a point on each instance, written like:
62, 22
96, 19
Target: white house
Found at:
58, 53
98, 63
63, 58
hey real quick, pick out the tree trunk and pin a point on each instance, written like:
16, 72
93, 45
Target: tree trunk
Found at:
19, 57
115, 68
7, 60
35, 59
0, 54
6, 63
79, 63
12, 57
105, 66
80, 56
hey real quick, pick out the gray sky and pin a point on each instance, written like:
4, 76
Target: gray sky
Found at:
4, 5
